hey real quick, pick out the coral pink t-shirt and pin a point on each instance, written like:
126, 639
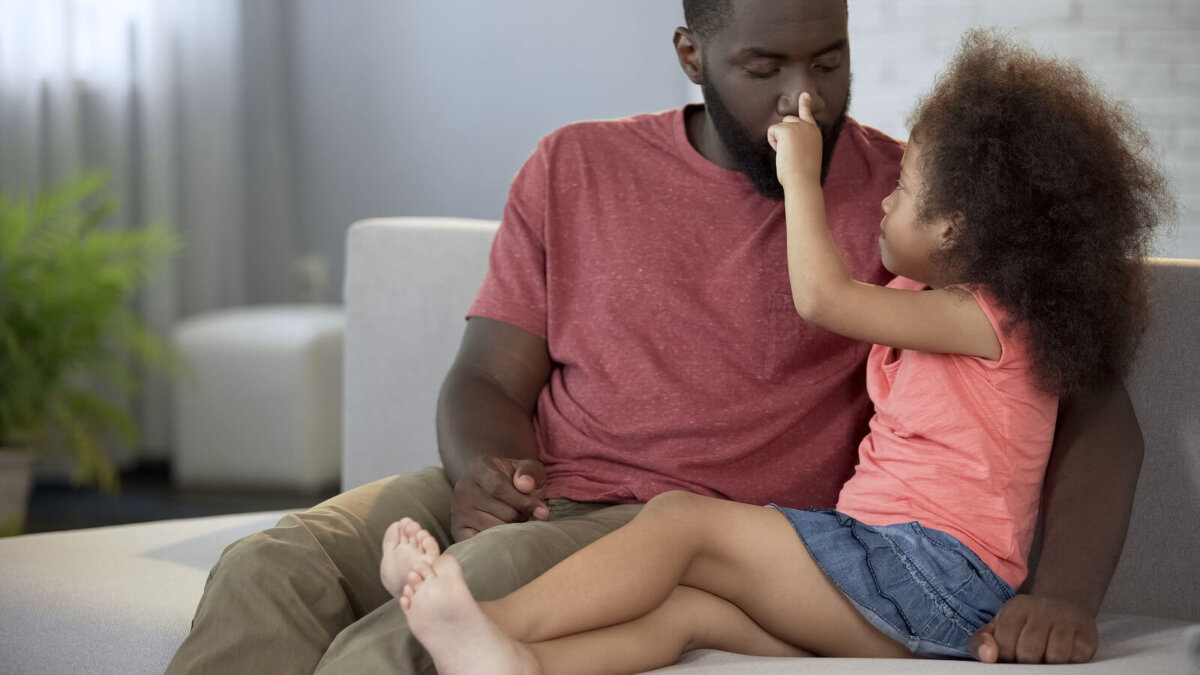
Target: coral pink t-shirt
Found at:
660, 283
958, 443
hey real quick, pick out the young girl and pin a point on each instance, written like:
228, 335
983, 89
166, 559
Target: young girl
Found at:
1016, 232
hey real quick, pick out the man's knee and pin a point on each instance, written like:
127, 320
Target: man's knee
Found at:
258, 554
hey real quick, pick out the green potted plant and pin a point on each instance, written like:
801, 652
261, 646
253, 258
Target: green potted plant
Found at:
70, 346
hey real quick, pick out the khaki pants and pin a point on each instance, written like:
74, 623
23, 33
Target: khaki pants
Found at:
305, 595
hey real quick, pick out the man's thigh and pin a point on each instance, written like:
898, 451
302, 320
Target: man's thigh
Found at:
500, 560
278, 598
349, 527
495, 563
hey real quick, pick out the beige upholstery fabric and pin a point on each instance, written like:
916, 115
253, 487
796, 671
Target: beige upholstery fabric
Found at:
1158, 569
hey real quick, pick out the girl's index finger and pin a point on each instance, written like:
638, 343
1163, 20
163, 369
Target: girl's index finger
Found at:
804, 108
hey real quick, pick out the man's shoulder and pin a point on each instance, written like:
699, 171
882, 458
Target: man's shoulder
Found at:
874, 143
654, 127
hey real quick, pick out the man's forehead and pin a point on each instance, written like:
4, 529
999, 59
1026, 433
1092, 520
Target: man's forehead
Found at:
784, 26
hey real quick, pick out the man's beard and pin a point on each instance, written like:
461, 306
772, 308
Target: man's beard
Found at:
755, 157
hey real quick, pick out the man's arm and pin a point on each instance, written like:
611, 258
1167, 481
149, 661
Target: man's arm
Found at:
1086, 502
485, 426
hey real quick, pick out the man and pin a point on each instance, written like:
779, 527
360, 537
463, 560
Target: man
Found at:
635, 334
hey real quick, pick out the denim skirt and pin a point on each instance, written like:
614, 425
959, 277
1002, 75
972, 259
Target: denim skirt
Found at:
921, 587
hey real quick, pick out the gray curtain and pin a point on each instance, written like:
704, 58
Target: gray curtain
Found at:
186, 106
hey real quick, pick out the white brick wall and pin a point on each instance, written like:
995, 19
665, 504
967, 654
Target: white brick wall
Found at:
1145, 51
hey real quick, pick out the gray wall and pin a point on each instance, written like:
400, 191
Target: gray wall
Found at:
1146, 52
407, 108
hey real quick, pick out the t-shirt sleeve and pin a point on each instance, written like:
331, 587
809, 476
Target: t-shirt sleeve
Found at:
514, 290
1013, 348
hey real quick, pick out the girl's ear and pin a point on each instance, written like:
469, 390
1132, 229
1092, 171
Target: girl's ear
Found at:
949, 226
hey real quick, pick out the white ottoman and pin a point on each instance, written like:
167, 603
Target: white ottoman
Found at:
264, 407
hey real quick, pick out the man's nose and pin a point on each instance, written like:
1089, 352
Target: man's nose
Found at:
789, 101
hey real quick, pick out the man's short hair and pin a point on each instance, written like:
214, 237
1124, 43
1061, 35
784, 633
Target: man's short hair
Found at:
706, 18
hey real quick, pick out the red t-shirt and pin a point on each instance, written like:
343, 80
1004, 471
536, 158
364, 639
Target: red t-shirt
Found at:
660, 283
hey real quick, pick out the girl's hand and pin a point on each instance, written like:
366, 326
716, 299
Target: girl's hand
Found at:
797, 145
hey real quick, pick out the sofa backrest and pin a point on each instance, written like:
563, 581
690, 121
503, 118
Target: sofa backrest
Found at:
409, 282
1158, 568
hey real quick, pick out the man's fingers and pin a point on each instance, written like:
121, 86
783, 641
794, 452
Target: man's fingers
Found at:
1006, 631
530, 478
497, 494
474, 523
1060, 646
529, 469
1086, 641
1031, 643
982, 645
464, 533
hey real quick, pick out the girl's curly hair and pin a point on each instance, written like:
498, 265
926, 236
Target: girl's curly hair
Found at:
1054, 191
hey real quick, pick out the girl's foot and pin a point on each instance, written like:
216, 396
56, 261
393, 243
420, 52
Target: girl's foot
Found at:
404, 544
446, 619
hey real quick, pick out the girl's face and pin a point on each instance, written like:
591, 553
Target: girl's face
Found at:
906, 244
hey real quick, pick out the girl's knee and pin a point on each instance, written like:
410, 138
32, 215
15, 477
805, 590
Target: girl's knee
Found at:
672, 505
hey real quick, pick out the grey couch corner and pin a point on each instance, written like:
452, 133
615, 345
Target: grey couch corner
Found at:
120, 599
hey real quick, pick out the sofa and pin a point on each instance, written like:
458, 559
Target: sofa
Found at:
120, 599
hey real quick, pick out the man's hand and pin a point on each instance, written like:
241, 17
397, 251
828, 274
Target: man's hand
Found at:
797, 145
1032, 629
495, 491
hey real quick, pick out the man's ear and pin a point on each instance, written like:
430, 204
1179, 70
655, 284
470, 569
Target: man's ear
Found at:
687, 49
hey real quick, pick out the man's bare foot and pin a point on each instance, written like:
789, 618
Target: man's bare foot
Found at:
446, 619
404, 544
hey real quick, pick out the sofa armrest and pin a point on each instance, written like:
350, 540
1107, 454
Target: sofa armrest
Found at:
409, 283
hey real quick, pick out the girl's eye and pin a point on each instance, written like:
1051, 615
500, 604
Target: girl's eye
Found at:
899, 186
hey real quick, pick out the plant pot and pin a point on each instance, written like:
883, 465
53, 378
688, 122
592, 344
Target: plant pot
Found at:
16, 478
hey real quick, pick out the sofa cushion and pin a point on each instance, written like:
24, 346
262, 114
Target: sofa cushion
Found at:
120, 600
110, 599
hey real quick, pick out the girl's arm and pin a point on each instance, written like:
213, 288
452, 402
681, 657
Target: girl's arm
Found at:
942, 320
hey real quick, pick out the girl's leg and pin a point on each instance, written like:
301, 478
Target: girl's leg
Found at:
747, 555
442, 613
688, 619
